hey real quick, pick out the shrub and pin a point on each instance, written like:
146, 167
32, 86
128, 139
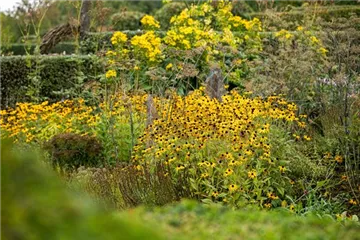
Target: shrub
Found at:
56, 73
291, 64
122, 186
168, 10
297, 15
69, 150
220, 151
116, 127
20, 48
241, 8
39, 206
200, 38
126, 20
219, 222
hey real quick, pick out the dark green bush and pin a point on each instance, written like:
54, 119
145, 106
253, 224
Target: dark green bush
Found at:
37, 205
70, 150
164, 14
126, 20
20, 48
57, 73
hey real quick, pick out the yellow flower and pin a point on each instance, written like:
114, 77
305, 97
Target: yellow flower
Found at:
110, 53
338, 159
179, 167
118, 37
272, 196
299, 28
327, 155
149, 44
150, 21
204, 175
110, 73
267, 205
252, 174
292, 207
282, 169
136, 67
307, 138
352, 202
228, 172
215, 194
301, 124
314, 40
233, 187
323, 51
283, 34
169, 66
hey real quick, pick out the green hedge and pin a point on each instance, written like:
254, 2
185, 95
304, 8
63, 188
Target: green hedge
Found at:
164, 14
20, 48
126, 20
56, 73
40, 205
327, 13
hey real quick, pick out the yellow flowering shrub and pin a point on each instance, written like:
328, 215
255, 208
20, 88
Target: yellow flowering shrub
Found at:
220, 150
149, 21
198, 37
37, 123
214, 29
148, 45
302, 36
118, 38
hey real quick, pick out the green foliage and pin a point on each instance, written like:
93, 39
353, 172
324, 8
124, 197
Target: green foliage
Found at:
164, 14
35, 205
9, 30
20, 48
122, 186
191, 220
70, 150
241, 8
298, 15
126, 20
58, 73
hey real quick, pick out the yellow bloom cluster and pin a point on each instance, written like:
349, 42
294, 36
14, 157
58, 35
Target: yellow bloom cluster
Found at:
110, 74
150, 21
149, 44
118, 38
227, 142
283, 34
38, 122
192, 28
302, 35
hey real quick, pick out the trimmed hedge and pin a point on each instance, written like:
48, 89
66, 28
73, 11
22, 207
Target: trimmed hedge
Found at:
19, 48
56, 73
126, 20
164, 14
326, 13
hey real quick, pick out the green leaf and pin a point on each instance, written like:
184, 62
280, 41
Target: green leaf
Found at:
207, 201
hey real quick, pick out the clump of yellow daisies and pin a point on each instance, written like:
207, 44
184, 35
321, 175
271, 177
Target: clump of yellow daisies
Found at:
221, 151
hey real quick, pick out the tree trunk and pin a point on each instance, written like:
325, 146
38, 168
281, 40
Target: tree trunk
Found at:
84, 17
56, 35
